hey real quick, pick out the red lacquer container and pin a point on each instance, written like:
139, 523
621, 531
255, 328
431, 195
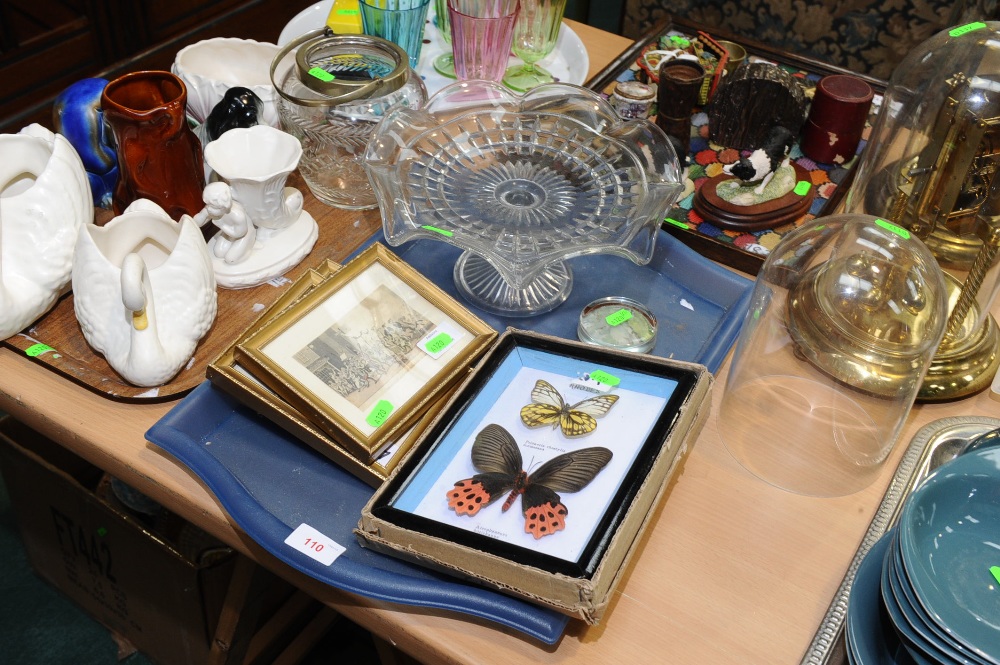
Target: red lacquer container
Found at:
837, 119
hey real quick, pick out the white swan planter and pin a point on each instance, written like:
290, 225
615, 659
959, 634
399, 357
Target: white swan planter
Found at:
44, 201
144, 292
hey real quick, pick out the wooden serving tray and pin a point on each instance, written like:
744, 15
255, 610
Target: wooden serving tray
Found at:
70, 356
744, 248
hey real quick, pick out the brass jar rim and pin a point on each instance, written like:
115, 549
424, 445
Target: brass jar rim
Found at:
334, 90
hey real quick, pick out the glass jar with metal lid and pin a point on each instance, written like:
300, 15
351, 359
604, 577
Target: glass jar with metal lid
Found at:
332, 91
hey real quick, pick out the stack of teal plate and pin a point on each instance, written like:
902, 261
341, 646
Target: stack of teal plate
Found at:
928, 591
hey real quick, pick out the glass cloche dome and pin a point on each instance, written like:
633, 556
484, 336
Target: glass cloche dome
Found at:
930, 167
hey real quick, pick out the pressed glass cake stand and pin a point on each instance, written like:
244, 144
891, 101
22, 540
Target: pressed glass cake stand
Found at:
521, 183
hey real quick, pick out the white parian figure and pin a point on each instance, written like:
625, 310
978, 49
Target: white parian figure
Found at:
237, 234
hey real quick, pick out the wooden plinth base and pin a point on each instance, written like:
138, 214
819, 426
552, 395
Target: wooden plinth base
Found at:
776, 212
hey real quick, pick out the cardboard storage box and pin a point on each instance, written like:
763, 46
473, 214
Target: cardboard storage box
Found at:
541, 473
160, 589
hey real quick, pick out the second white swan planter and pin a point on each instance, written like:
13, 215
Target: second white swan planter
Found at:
44, 201
144, 292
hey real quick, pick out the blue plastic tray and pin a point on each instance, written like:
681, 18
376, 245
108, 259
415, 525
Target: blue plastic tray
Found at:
699, 305
270, 483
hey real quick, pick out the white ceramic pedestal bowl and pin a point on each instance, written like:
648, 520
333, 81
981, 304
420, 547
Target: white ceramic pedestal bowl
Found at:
44, 201
212, 66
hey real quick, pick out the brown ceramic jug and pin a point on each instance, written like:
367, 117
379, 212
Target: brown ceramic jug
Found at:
159, 157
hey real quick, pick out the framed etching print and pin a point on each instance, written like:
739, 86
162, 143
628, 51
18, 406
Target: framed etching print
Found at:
227, 374
542, 466
365, 353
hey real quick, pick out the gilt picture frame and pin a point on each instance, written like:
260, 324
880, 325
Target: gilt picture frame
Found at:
227, 374
366, 353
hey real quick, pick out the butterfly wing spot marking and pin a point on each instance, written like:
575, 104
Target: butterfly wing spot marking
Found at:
471, 494
496, 455
545, 520
467, 497
549, 408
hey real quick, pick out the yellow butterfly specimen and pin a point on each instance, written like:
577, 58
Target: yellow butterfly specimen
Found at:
549, 408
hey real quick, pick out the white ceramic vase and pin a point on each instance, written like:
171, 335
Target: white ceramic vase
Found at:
212, 66
44, 201
256, 162
144, 292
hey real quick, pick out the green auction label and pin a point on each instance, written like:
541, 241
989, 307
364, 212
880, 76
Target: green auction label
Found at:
379, 414
968, 27
348, 12
321, 74
438, 343
802, 187
893, 228
36, 350
671, 220
996, 572
603, 377
444, 232
619, 317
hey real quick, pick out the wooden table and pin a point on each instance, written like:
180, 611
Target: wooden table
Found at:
732, 570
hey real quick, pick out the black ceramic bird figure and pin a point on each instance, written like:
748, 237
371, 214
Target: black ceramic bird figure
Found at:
240, 107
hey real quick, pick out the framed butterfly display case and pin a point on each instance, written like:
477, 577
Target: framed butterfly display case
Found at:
541, 471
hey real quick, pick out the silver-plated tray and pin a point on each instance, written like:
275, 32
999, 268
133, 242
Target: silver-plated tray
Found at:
936, 443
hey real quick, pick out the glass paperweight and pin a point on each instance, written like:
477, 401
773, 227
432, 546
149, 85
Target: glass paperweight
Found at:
930, 166
521, 183
844, 319
618, 323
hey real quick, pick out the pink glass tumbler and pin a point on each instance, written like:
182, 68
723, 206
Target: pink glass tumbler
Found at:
481, 36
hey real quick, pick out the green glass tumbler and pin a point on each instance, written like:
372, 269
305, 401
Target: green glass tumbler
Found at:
444, 63
535, 33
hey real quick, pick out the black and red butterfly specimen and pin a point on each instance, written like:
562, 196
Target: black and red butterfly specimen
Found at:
501, 472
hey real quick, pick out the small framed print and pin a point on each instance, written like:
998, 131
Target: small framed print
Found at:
367, 352
228, 375
539, 473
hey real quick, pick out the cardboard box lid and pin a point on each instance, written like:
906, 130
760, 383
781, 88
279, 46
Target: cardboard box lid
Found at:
515, 569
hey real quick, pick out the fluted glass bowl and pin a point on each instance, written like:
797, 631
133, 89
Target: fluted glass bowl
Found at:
521, 183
